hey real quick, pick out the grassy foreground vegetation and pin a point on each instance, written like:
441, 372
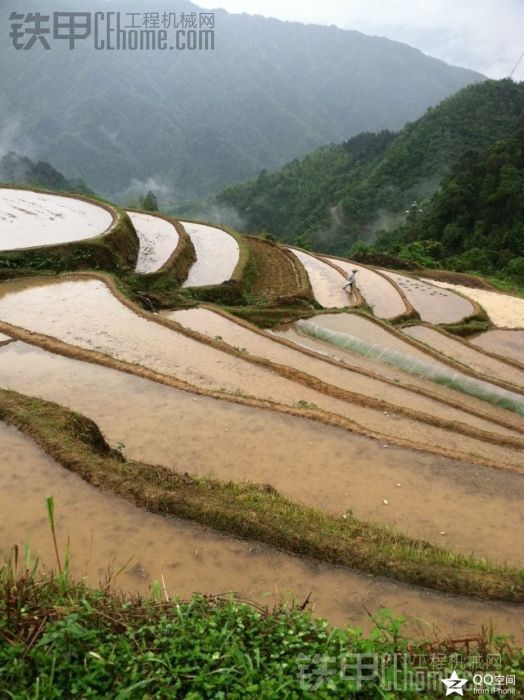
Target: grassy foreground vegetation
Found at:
255, 512
60, 638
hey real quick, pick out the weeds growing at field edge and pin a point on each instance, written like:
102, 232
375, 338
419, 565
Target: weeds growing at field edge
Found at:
60, 638
253, 512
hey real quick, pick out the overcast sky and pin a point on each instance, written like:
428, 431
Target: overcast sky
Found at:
485, 35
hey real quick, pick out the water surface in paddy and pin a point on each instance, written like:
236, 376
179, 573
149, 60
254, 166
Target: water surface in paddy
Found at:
434, 305
214, 324
29, 219
397, 375
379, 293
504, 310
85, 313
158, 239
308, 462
105, 531
217, 255
326, 282
468, 356
508, 344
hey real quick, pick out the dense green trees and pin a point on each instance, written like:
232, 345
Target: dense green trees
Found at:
475, 222
364, 188
149, 202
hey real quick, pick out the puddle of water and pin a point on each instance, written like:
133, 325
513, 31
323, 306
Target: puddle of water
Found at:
217, 255
504, 310
378, 292
434, 305
326, 282
509, 344
468, 356
85, 313
213, 324
191, 558
158, 239
35, 219
308, 462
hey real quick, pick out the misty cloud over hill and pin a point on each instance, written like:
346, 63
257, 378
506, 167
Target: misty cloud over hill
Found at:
195, 121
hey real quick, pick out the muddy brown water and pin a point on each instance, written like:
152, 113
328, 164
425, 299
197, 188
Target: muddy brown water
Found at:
397, 375
326, 282
472, 358
85, 313
434, 305
380, 294
158, 239
308, 462
508, 344
213, 324
106, 532
217, 254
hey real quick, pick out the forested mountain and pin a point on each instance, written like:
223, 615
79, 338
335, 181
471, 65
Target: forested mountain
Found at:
475, 222
340, 194
188, 123
20, 170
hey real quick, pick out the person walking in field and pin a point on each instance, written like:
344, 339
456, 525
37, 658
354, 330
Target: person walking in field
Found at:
351, 280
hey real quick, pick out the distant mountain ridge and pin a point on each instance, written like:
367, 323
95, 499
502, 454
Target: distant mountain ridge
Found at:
340, 194
186, 124
21, 170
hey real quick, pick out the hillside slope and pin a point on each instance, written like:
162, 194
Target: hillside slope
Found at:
20, 170
475, 222
339, 194
196, 121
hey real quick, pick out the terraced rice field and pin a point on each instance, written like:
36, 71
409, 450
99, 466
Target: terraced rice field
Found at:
433, 304
158, 239
263, 345
380, 293
29, 219
190, 558
326, 282
278, 271
74, 317
237, 442
506, 344
200, 393
217, 254
505, 311
470, 357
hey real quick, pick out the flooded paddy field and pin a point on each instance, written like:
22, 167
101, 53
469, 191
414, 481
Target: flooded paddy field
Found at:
158, 239
326, 282
308, 462
394, 374
29, 219
190, 558
214, 324
380, 293
504, 310
217, 254
467, 355
433, 304
507, 344
73, 315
